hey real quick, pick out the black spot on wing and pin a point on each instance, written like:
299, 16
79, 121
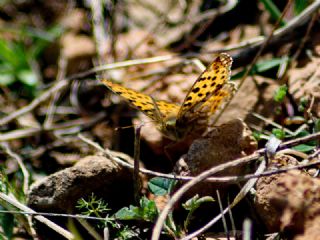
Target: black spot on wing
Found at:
195, 90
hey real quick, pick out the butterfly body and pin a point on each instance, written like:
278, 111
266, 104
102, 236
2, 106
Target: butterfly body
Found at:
176, 121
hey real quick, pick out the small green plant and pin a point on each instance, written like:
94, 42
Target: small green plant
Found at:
192, 205
280, 93
18, 58
93, 206
147, 211
99, 208
278, 133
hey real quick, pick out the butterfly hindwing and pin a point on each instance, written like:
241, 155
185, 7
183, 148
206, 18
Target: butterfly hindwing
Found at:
168, 109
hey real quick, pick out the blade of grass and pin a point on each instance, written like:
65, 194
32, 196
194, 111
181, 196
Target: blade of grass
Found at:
273, 10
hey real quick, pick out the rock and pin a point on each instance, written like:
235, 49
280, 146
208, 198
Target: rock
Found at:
223, 144
290, 202
60, 191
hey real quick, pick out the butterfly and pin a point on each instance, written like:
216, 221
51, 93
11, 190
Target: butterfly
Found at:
175, 121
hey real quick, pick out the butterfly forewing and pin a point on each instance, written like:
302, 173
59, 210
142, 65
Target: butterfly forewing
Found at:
207, 86
139, 100
215, 101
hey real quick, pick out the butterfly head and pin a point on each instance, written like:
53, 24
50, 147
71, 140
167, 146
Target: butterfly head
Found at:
171, 130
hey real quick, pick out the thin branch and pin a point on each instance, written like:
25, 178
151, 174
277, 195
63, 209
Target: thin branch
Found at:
19, 133
80, 123
272, 123
99, 33
24, 170
136, 167
75, 216
36, 102
256, 155
14, 202
62, 68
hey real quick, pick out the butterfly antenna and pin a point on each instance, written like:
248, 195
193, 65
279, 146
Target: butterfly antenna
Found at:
125, 127
134, 125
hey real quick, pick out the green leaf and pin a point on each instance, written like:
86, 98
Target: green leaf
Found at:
7, 53
28, 77
266, 65
303, 133
149, 209
6, 79
280, 93
300, 5
278, 133
161, 186
256, 135
8, 224
127, 214
261, 67
304, 148
146, 211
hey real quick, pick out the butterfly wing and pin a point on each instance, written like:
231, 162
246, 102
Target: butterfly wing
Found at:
138, 100
144, 102
208, 90
211, 106
168, 110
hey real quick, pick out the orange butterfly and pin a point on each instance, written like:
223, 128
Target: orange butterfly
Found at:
176, 121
